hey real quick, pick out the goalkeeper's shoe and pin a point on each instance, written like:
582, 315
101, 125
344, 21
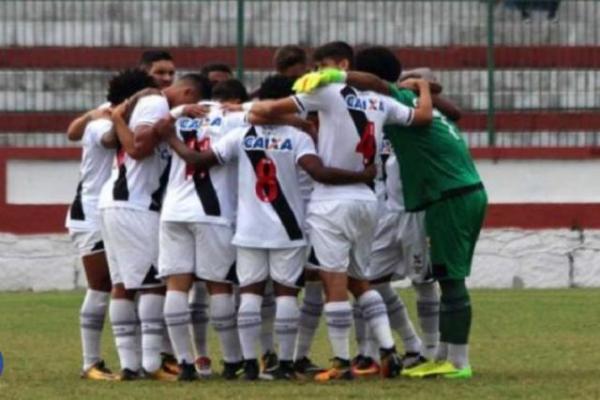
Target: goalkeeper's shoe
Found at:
363, 366
462, 373
441, 368
340, 369
417, 371
98, 372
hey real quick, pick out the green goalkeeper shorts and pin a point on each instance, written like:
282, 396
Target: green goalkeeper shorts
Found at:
453, 227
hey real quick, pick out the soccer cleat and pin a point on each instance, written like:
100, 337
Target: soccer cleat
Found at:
284, 371
411, 360
128, 375
269, 362
187, 373
203, 365
417, 371
251, 370
363, 366
98, 372
305, 366
441, 368
160, 374
462, 373
169, 363
232, 370
340, 369
391, 363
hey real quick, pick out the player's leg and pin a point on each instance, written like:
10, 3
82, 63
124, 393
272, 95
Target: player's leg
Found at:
215, 265
252, 270
176, 266
453, 227
122, 314
332, 250
95, 304
199, 304
268, 360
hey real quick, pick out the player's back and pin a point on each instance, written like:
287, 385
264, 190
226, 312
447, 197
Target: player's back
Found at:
270, 202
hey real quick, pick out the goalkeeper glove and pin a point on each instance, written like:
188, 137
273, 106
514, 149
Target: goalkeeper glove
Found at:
313, 80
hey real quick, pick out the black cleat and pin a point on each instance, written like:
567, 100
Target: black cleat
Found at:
391, 363
232, 370
285, 371
269, 362
251, 370
305, 366
187, 372
128, 375
411, 360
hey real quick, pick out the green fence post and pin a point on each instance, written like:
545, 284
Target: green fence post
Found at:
491, 129
240, 40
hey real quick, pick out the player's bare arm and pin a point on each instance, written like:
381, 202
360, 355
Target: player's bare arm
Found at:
446, 107
137, 144
165, 130
423, 112
285, 119
77, 126
110, 140
313, 165
270, 109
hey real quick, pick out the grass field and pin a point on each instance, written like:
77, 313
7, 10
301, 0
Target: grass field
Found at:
525, 345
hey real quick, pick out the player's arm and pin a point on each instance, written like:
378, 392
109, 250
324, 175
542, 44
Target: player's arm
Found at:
165, 129
313, 165
109, 140
140, 142
77, 126
447, 107
423, 112
270, 110
285, 119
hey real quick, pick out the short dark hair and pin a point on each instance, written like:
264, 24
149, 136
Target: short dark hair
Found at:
231, 89
288, 56
276, 87
199, 82
127, 83
208, 68
379, 61
151, 56
337, 50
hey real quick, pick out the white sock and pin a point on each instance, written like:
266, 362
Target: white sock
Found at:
223, 319
199, 312
249, 323
178, 320
360, 330
428, 311
310, 314
150, 310
125, 330
338, 315
372, 346
399, 319
286, 325
442, 352
267, 313
91, 322
375, 313
458, 355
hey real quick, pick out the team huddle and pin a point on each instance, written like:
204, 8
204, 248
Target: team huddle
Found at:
201, 203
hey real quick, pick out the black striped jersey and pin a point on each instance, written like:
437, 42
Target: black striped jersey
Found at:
350, 128
140, 184
94, 170
270, 209
196, 194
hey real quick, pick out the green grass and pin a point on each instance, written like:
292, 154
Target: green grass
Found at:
525, 345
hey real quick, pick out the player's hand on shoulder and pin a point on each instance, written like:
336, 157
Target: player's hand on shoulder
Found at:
99, 113
415, 84
195, 110
120, 110
231, 107
165, 128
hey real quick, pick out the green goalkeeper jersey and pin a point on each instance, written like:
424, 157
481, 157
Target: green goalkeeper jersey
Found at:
435, 162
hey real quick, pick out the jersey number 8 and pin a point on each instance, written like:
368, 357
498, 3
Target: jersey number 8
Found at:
266, 180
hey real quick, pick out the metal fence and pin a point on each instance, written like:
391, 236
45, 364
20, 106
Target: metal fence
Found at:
514, 66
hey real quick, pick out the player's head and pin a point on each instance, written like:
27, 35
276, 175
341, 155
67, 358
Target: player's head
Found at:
380, 61
217, 72
290, 61
231, 91
188, 89
276, 87
127, 83
334, 55
159, 64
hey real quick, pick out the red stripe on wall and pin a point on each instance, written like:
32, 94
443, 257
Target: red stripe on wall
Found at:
452, 57
535, 153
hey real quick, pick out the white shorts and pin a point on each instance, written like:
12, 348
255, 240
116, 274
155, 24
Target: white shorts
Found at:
341, 233
400, 247
131, 243
196, 248
87, 242
284, 266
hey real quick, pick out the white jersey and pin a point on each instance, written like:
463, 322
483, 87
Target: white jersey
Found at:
270, 205
95, 168
199, 195
350, 125
394, 200
140, 184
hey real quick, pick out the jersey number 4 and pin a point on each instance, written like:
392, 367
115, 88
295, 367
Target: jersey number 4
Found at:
266, 187
198, 145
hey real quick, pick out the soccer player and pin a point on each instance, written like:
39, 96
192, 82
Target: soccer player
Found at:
130, 202
342, 219
159, 64
83, 219
196, 231
438, 177
290, 61
217, 72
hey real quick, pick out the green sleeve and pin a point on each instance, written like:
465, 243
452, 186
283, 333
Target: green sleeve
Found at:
403, 96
